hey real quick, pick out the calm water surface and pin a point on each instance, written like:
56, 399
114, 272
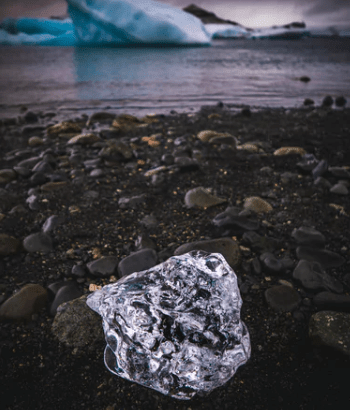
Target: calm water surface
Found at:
140, 80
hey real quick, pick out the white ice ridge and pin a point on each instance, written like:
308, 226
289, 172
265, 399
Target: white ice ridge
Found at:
135, 22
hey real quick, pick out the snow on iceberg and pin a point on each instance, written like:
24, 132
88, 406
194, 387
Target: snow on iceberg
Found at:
226, 31
135, 22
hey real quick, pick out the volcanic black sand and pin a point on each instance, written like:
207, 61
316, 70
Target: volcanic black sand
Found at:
286, 370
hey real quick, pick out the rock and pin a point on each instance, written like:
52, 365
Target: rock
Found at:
282, 298
327, 101
308, 162
137, 262
103, 267
65, 127
340, 101
320, 169
35, 141
339, 172
304, 79
33, 202
308, 236
290, 151
42, 166
202, 198
116, 150
149, 221
270, 263
256, 204
38, 178
52, 222
325, 258
309, 101
237, 224
207, 135
29, 163
224, 139
339, 189
84, 139
259, 243
132, 202
332, 301
77, 326
8, 245
228, 248
7, 175
65, 294
314, 278
173, 320
53, 186
38, 242
78, 271
22, 305
330, 329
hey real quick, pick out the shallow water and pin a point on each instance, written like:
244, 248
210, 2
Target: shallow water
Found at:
141, 80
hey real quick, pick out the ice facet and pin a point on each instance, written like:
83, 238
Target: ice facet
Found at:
176, 327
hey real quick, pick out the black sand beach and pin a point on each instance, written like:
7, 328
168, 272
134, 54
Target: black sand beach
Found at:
107, 204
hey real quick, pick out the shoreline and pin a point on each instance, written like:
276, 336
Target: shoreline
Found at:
123, 189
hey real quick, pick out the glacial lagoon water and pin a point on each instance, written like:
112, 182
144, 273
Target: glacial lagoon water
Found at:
145, 80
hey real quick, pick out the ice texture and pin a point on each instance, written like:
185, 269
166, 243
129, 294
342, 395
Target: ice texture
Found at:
135, 22
176, 327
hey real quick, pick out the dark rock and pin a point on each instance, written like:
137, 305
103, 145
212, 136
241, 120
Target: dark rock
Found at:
330, 329
38, 242
77, 326
327, 101
305, 79
143, 241
324, 257
309, 101
308, 162
132, 202
339, 172
52, 223
33, 202
29, 163
282, 298
236, 224
314, 278
31, 117
137, 262
270, 263
38, 178
332, 301
65, 294
78, 271
228, 248
308, 236
260, 243
22, 305
340, 101
320, 169
104, 267
8, 245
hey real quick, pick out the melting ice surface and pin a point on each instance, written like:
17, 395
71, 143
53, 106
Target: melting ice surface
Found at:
176, 327
110, 22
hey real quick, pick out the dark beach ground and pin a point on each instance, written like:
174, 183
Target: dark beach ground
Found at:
286, 369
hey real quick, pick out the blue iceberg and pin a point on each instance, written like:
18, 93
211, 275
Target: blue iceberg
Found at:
110, 23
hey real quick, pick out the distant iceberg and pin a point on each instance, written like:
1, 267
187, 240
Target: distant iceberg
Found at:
227, 31
110, 23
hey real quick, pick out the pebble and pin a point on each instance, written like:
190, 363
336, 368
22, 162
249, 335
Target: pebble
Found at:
260, 243
8, 245
332, 301
33, 202
53, 186
7, 175
339, 172
308, 236
132, 202
38, 242
202, 198
138, 261
237, 224
270, 263
42, 166
52, 222
226, 246
78, 327
290, 151
78, 271
324, 257
257, 204
308, 162
320, 169
103, 267
65, 294
339, 189
35, 141
282, 298
65, 127
22, 305
312, 277
330, 329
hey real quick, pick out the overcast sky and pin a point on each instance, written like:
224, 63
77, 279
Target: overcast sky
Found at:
250, 13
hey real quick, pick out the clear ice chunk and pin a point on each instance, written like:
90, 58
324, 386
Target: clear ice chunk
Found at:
176, 327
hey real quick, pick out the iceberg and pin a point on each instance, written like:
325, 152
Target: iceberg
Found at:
109, 23
135, 22
227, 31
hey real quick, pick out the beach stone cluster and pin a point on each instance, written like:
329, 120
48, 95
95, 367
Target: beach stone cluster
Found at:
93, 199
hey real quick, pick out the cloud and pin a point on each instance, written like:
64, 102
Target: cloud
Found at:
327, 6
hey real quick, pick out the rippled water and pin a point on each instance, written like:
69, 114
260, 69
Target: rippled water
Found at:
139, 80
